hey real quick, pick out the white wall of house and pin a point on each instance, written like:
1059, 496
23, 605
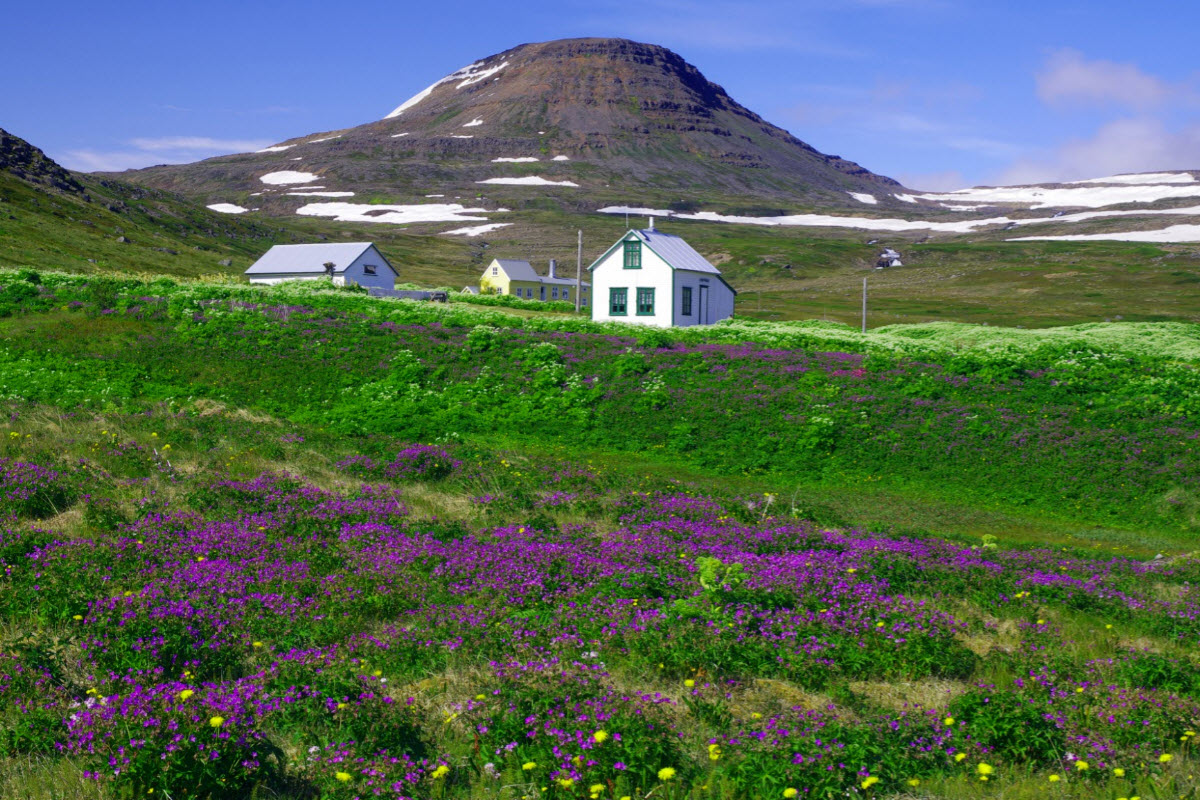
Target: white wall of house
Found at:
654, 274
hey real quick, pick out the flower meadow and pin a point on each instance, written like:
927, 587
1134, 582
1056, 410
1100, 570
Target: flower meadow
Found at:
301, 550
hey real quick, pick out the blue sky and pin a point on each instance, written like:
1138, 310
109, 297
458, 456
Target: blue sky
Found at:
936, 93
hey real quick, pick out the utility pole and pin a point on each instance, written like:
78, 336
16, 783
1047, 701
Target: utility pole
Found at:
579, 273
864, 321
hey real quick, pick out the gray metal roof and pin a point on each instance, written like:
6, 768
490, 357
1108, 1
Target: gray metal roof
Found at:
524, 271
516, 270
309, 258
676, 252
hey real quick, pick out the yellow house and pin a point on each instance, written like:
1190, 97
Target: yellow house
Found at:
518, 278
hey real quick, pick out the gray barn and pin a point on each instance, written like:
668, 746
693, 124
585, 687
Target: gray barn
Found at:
358, 262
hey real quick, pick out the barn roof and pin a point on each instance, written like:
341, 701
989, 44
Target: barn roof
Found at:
310, 258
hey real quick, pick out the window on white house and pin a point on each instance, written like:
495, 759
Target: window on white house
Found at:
368, 269
633, 254
495, 271
554, 293
566, 294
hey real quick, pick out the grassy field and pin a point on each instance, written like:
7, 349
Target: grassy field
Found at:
299, 543
781, 274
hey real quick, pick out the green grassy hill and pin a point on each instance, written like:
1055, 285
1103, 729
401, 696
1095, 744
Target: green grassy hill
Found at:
295, 542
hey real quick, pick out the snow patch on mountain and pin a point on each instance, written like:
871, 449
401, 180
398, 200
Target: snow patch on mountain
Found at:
518, 160
475, 123
324, 139
287, 176
394, 214
472, 73
821, 220
320, 194
279, 148
1174, 233
861, 197
561, 158
227, 208
532, 180
477, 230
1091, 196
1144, 177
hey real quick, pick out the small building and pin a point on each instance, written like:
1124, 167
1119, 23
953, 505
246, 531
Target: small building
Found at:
519, 279
655, 278
888, 258
358, 263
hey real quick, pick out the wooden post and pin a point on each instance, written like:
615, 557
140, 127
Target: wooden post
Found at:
864, 316
579, 273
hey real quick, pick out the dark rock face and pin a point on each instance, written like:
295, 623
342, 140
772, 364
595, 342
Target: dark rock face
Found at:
625, 120
21, 159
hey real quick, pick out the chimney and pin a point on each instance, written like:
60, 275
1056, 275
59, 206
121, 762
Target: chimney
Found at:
651, 224
553, 267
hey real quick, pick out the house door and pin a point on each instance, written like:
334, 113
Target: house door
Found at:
542, 292
702, 306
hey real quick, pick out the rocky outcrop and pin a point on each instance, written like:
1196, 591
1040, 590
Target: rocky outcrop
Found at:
22, 160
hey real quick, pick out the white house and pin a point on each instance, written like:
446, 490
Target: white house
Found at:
357, 263
655, 278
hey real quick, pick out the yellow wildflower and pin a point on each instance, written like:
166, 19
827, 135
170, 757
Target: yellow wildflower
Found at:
985, 769
216, 722
566, 783
342, 776
914, 782
441, 772
77, 616
529, 765
666, 773
948, 721
256, 644
1082, 766
790, 792
689, 683
959, 756
1054, 778
480, 697
185, 694
869, 781
1165, 758
1120, 773
600, 737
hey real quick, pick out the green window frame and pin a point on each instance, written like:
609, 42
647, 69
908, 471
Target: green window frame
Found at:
686, 301
618, 302
645, 302
633, 254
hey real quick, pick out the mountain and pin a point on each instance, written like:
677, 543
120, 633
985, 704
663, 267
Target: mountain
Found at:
580, 120
52, 218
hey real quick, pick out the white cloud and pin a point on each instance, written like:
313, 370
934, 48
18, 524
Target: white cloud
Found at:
1069, 79
148, 151
199, 143
1140, 144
